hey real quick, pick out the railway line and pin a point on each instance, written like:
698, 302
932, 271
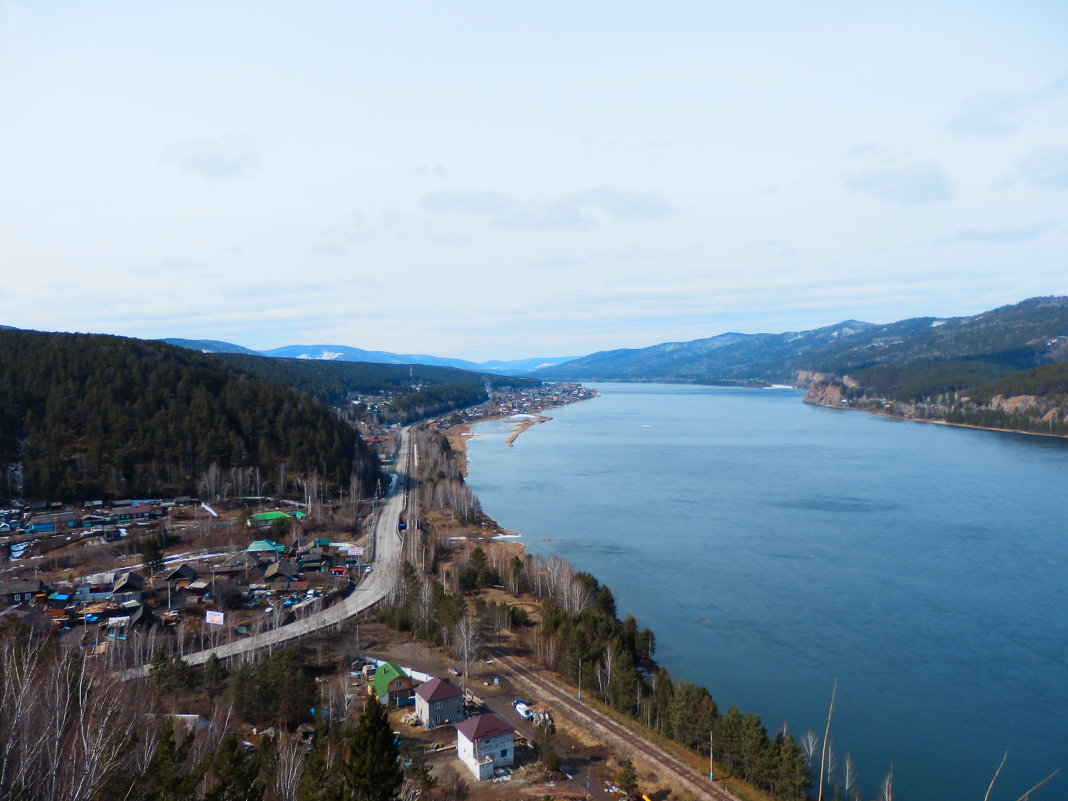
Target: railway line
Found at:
667, 765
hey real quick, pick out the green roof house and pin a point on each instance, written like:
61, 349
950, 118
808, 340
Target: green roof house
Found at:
266, 548
261, 518
392, 686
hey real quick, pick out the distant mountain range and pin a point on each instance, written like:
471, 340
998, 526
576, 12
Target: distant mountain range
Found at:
344, 353
1015, 337
1004, 369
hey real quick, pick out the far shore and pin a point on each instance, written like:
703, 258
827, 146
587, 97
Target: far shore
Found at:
888, 416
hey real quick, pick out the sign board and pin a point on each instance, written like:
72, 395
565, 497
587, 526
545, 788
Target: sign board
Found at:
214, 618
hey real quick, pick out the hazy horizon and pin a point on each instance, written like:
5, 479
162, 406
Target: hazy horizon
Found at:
484, 182
427, 352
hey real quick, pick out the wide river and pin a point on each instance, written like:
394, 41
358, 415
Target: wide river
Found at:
774, 547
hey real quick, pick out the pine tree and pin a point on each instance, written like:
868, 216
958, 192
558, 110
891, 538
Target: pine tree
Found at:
168, 778
627, 779
152, 556
543, 743
214, 674
318, 782
372, 770
236, 773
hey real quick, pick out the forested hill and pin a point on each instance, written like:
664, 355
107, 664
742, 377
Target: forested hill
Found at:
1007, 368
85, 416
418, 391
1012, 338
335, 382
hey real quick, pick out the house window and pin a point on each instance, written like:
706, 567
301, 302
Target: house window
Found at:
437, 705
504, 752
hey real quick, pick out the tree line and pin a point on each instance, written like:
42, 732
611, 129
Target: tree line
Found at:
86, 416
581, 638
73, 730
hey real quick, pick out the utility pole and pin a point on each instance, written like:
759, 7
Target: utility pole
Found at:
711, 771
580, 679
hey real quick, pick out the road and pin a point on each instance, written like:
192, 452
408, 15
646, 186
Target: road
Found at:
670, 769
387, 550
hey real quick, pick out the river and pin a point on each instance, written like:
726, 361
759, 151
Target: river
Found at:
774, 547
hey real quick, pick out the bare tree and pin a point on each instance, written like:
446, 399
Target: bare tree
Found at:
810, 741
425, 605
826, 735
288, 767
886, 790
850, 779
467, 642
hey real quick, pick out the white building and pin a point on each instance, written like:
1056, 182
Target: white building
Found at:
485, 742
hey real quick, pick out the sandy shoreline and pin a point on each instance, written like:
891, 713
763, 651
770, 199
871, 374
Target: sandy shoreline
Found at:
459, 435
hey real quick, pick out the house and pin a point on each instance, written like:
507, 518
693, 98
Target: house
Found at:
242, 561
316, 558
484, 743
392, 686
97, 587
266, 549
128, 587
438, 701
181, 575
282, 570
21, 592
267, 519
33, 619
55, 521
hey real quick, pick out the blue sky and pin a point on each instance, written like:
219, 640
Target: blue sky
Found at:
489, 181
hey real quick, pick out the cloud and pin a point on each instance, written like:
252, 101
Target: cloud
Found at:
552, 263
217, 159
1046, 168
329, 249
576, 211
997, 113
909, 185
490, 204
1012, 235
429, 171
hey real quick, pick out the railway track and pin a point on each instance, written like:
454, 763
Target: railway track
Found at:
666, 764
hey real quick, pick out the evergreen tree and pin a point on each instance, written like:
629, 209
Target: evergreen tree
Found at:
236, 773
544, 734
319, 781
627, 779
152, 556
214, 674
168, 778
372, 770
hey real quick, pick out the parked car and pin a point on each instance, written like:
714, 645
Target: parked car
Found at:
523, 710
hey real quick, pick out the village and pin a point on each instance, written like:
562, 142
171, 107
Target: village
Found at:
126, 580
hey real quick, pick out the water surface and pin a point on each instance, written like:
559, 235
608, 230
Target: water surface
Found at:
774, 546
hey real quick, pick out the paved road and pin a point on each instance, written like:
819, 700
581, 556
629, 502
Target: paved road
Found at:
387, 549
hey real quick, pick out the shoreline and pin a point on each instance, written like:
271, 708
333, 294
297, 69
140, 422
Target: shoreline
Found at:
876, 413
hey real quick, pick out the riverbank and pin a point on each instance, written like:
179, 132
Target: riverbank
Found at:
939, 422
458, 435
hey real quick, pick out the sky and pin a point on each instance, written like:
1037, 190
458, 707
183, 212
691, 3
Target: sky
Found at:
493, 180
